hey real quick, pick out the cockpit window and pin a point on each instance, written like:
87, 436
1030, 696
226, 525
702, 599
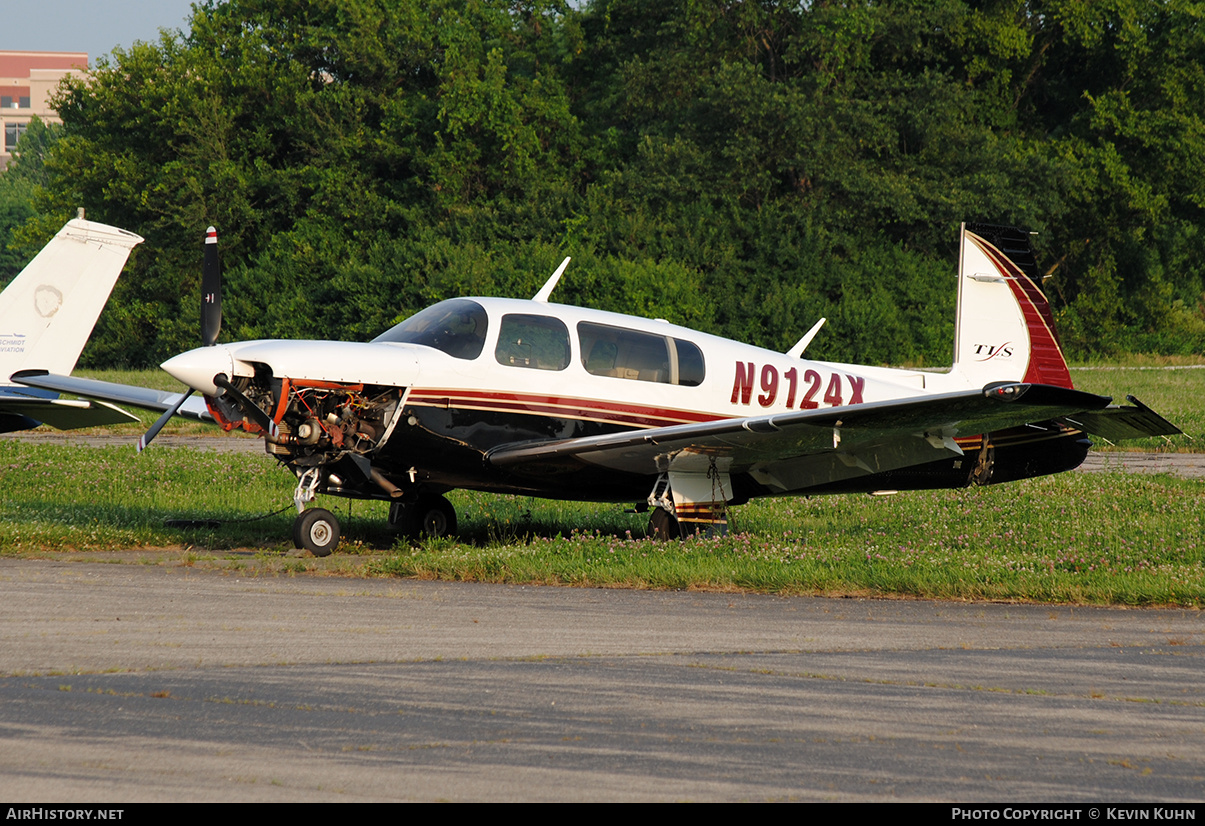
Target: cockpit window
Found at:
457, 327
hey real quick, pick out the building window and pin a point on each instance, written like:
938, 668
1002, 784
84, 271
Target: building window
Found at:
12, 134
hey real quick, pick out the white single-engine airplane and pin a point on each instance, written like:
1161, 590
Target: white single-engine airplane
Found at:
561, 402
46, 315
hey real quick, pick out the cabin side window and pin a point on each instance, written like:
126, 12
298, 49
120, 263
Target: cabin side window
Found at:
691, 368
456, 327
629, 354
533, 341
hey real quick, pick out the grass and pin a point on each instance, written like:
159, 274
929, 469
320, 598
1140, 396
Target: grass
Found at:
1174, 391
1084, 538
1107, 538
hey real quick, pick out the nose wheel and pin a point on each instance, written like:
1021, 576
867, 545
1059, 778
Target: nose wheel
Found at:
317, 531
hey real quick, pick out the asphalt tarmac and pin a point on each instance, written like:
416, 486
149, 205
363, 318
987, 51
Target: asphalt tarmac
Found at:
166, 683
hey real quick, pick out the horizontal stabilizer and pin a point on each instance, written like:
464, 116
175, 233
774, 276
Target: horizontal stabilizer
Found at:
127, 394
1117, 423
65, 414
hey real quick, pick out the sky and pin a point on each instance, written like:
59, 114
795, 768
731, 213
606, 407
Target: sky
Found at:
92, 26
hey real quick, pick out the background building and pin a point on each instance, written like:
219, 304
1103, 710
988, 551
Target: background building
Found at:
27, 79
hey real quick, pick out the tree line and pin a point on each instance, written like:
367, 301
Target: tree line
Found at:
740, 167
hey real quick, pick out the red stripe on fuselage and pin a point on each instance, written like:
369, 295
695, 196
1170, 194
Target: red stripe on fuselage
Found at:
633, 415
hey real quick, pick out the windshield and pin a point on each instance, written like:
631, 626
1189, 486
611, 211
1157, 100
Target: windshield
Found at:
457, 327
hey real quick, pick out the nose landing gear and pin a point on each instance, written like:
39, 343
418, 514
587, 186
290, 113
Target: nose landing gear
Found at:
317, 531
423, 516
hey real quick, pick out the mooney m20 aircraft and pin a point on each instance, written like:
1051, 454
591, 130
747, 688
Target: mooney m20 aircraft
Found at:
541, 399
46, 315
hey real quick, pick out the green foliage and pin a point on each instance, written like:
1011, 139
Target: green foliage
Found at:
742, 167
19, 185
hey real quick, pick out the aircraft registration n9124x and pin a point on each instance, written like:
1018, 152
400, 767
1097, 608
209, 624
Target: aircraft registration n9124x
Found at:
549, 400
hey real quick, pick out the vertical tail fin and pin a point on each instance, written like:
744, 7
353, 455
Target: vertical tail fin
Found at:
48, 311
1005, 328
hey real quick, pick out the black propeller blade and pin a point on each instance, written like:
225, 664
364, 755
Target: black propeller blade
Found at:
246, 405
161, 421
211, 290
211, 323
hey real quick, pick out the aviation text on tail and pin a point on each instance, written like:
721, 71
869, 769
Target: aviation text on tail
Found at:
46, 316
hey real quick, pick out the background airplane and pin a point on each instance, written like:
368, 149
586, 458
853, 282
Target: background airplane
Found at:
46, 315
549, 400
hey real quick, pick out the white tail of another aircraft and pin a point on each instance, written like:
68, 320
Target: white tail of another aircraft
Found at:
1005, 328
49, 310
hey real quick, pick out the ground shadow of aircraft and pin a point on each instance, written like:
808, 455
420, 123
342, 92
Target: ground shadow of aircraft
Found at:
549, 400
46, 315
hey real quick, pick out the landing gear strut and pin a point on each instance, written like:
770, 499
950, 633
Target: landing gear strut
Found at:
431, 516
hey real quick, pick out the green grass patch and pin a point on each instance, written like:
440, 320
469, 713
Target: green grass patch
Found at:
65, 497
1106, 538
1081, 538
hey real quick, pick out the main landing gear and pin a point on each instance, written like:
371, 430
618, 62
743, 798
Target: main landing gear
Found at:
430, 516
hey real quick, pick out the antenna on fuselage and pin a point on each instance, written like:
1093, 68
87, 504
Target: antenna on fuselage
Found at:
546, 290
801, 345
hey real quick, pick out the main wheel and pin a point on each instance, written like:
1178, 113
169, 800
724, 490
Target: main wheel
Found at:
663, 525
432, 516
317, 531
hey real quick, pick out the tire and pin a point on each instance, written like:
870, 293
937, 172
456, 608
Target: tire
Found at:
437, 517
663, 525
402, 519
317, 531
431, 517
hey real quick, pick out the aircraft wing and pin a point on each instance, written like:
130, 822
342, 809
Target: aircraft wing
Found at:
815, 446
104, 391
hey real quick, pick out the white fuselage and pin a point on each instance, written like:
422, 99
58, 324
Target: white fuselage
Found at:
738, 380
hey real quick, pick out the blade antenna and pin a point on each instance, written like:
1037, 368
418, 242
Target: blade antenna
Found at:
801, 345
546, 290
